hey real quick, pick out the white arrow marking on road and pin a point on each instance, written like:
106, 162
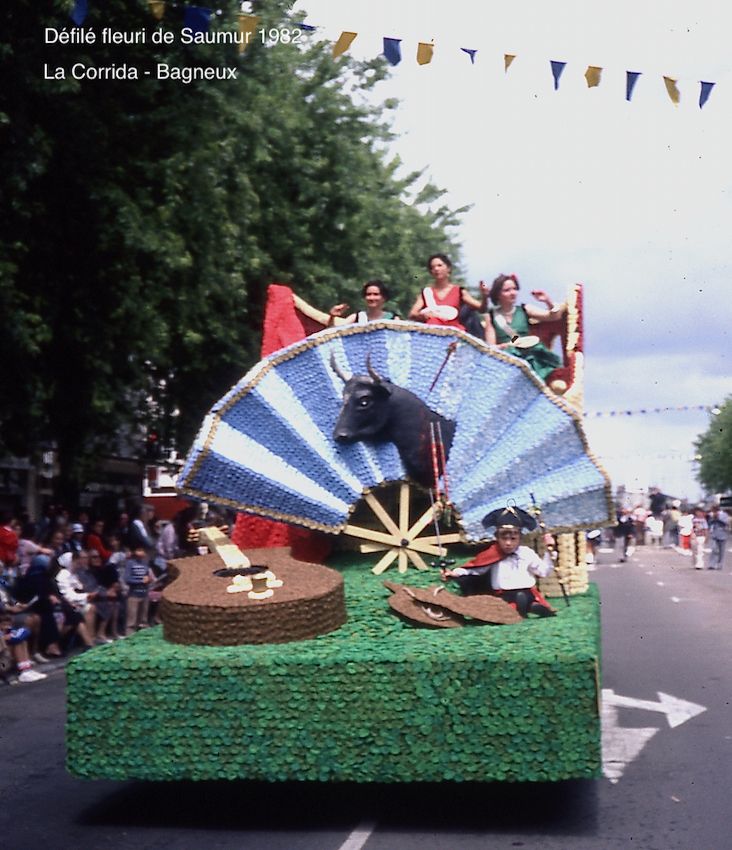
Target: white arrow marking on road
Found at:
677, 710
620, 745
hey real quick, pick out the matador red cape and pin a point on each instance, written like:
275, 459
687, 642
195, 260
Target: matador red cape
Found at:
490, 555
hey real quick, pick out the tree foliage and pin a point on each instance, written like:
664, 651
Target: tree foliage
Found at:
144, 219
714, 448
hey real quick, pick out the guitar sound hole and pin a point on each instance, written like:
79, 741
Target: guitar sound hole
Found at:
240, 571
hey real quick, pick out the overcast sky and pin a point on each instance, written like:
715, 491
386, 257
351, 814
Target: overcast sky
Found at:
632, 199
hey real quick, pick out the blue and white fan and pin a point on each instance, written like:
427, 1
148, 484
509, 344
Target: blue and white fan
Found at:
267, 447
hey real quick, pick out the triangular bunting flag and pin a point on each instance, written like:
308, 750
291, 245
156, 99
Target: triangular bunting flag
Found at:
470, 53
424, 53
706, 90
592, 75
79, 12
393, 50
307, 27
196, 18
247, 25
672, 89
557, 69
345, 40
157, 9
631, 78
507, 59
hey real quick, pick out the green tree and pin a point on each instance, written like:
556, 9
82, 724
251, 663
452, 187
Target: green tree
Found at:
143, 219
714, 449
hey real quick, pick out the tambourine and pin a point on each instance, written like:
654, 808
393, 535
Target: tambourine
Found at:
442, 311
526, 341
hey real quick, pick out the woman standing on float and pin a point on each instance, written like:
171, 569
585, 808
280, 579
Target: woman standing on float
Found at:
508, 324
375, 294
440, 303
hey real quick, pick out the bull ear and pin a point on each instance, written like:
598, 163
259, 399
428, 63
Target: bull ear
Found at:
384, 389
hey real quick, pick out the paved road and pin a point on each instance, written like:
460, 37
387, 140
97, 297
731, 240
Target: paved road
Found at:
666, 627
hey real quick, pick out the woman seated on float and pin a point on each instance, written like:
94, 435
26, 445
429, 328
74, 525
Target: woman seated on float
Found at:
508, 327
440, 303
375, 294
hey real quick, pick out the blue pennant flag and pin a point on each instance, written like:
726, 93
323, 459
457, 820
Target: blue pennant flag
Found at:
706, 90
196, 18
470, 53
307, 27
631, 78
392, 50
79, 12
557, 68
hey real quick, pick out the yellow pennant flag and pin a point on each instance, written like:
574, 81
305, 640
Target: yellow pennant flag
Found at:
592, 75
247, 25
345, 40
424, 53
672, 89
157, 9
507, 59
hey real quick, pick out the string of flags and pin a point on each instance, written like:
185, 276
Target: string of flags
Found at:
593, 74
646, 410
198, 19
670, 455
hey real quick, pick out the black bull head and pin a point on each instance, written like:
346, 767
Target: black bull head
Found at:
375, 409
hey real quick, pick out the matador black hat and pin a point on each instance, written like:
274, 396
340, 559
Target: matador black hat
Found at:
511, 517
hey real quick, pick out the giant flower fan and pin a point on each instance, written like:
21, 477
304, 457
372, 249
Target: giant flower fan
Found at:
267, 446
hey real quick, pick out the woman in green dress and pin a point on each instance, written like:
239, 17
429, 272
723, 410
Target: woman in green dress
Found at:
509, 328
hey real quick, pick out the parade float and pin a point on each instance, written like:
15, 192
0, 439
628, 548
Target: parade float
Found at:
395, 440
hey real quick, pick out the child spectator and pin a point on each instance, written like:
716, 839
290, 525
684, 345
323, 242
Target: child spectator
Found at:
138, 577
699, 532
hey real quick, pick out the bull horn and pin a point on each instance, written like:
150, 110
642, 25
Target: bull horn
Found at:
336, 368
370, 369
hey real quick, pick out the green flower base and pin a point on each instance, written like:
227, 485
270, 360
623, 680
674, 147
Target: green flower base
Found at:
376, 701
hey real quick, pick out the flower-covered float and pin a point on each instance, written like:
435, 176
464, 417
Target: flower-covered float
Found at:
376, 698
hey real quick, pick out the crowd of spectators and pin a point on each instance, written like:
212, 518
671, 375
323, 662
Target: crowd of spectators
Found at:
70, 581
694, 531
